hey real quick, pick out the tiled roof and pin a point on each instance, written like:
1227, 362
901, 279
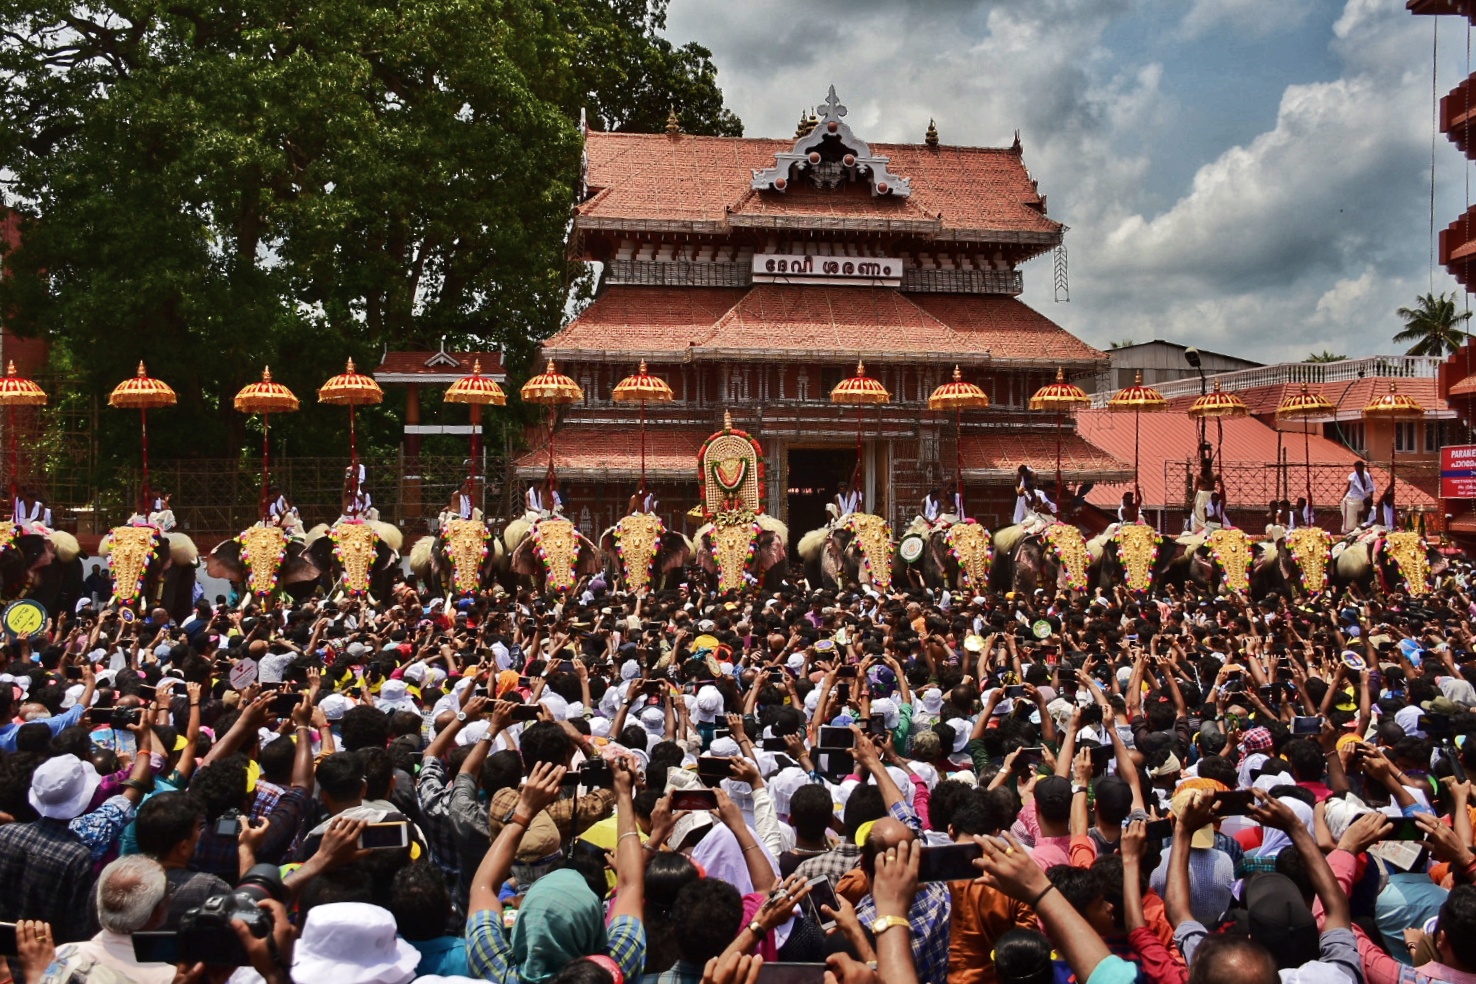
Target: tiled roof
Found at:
1171, 436
687, 180
1008, 328
783, 321
1349, 397
996, 456
614, 453
436, 365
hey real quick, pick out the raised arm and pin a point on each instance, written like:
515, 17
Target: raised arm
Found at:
540, 789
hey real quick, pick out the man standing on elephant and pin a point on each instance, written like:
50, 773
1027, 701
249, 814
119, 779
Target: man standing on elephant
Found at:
1024, 486
1359, 496
847, 501
641, 501
1302, 515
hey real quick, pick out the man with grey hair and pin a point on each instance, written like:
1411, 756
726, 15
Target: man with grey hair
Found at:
132, 895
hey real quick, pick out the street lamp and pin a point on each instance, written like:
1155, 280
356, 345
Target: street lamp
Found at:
1191, 356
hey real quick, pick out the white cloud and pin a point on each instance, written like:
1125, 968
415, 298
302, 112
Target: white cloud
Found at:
1249, 18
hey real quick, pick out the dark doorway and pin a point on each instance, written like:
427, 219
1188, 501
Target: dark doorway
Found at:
814, 476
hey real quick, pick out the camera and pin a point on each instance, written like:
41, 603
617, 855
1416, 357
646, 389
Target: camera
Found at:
117, 717
593, 774
228, 824
205, 932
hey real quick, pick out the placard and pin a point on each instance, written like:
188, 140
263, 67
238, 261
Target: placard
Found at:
24, 619
243, 674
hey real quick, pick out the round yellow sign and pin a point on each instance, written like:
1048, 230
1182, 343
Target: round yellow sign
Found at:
23, 619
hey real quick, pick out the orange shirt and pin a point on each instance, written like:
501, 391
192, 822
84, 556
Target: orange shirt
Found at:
980, 916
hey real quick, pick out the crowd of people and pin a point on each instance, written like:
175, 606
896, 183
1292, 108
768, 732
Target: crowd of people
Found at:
759, 788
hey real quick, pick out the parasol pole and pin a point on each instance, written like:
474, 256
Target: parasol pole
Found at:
353, 464
553, 419
958, 450
1137, 491
14, 457
1220, 461
143, 421
1060, 495
1307, 450
476, 443
266, 453
643, 447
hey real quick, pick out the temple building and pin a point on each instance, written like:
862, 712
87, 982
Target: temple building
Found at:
754, 274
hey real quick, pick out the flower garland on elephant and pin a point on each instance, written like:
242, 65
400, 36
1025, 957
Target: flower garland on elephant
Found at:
129, 550
1070, 548
1231, 549
263, 549
735, 536
556, 543
969, 544
1310, 547
1407, 549
354, 546
465, 543
874, 536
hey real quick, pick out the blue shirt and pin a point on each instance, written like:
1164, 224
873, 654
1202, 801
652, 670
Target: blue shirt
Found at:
57, 724
444, 955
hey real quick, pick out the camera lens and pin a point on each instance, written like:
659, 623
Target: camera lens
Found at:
261, 882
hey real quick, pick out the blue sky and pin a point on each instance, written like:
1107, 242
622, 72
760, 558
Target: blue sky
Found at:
1251, 176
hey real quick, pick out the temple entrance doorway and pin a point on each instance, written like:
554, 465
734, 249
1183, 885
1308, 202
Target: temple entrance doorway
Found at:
814, 476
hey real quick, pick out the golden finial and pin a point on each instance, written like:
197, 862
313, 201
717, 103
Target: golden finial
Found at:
141, 370
476, 367
10, 368
266, 374
1060, 375
550, 370
860, 368
931, 139
673, 125
1138, 378
727, 420
350, 368
643, 367
801, 128
957, 374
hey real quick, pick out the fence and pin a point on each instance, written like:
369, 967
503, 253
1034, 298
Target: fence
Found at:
1386, 366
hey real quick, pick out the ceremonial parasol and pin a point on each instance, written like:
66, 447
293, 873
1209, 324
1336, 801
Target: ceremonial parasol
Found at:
551, 388
1217, 405
1304, 406
640, 388
862, 391
1138, 399
265, 398
479, 391
1059, 396
958, 396
143, 393
17, 391
1393, 406
351, 389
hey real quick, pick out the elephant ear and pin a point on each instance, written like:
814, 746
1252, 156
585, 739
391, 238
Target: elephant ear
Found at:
771, 551
299, 569
524, 563
591, 561
607, 541
224, 562
676, 551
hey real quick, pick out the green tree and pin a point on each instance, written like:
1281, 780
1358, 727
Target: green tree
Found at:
1433, 325
215, 186
1325, 356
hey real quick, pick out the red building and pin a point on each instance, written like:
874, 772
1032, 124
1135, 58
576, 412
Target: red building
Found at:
753, 274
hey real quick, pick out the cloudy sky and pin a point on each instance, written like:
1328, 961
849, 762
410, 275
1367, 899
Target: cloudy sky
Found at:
1250, 176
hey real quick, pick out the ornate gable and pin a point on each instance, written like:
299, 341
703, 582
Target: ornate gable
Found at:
829, 155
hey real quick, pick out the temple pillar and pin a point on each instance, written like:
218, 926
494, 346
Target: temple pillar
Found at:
412, 491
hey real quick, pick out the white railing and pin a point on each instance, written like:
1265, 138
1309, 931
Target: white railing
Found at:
1396, 366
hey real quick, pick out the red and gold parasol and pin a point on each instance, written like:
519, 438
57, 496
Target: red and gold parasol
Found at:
1305, 406
143, 393
1138, 399
958, 396
478, 391
551, 388
642, 388
1394, 407
17, 391
266, 398
1216, 405
862, 391
1059, 397
352, 389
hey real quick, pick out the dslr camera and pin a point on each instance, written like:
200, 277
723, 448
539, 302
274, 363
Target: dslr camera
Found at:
205, 933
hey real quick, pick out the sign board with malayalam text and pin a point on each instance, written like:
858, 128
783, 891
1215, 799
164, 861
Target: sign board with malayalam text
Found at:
1458, 471
804, 268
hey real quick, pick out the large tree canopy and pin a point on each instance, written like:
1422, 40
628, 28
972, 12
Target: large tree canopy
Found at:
214, 186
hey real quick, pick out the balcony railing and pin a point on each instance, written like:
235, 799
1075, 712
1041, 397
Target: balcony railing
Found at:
1397, 366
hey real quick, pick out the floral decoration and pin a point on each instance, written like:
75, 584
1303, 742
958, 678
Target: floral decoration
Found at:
637, 542
354, 545
969, 544
1231, 549
556, 543
1408, 551
1311, 548
1070, 548
1137, 551
735, 534
465, 543
263, 548
874, 538
129, 551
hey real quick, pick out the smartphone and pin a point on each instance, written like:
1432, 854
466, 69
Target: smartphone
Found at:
524, 683
73, 672
9, 945
721, 733
773, 745
876, 725
951, 862
387, 835
147, 693
1405, 829
846, 671
693, 799
1268, 693
842, 693
1159, 830
523, 713
1100, 757
778, 972
1091, 715
1015, 690
156, 947
1234, 802
834, 763
284, 704
1306, 725
1029, 757
837, 737
822, 893
713, 769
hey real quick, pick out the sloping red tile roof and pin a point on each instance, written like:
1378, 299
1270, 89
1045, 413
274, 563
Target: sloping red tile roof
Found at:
1008, 328
991, 457
1171, 436
773, 321
693, 182
614, 453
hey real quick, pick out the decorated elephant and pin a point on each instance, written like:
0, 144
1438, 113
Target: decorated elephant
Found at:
857, 550
46, 567
151, 568
956, 556
357, 557
263, 561
1137, 556
1392, 561
1297, 563
551, 554
641, 553
742, 548
462, 557
1222, 560
1053, 557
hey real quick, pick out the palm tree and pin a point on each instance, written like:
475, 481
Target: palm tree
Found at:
1325, 356
1433, 325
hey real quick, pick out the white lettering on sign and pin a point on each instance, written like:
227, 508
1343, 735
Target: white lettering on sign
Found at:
802, 268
